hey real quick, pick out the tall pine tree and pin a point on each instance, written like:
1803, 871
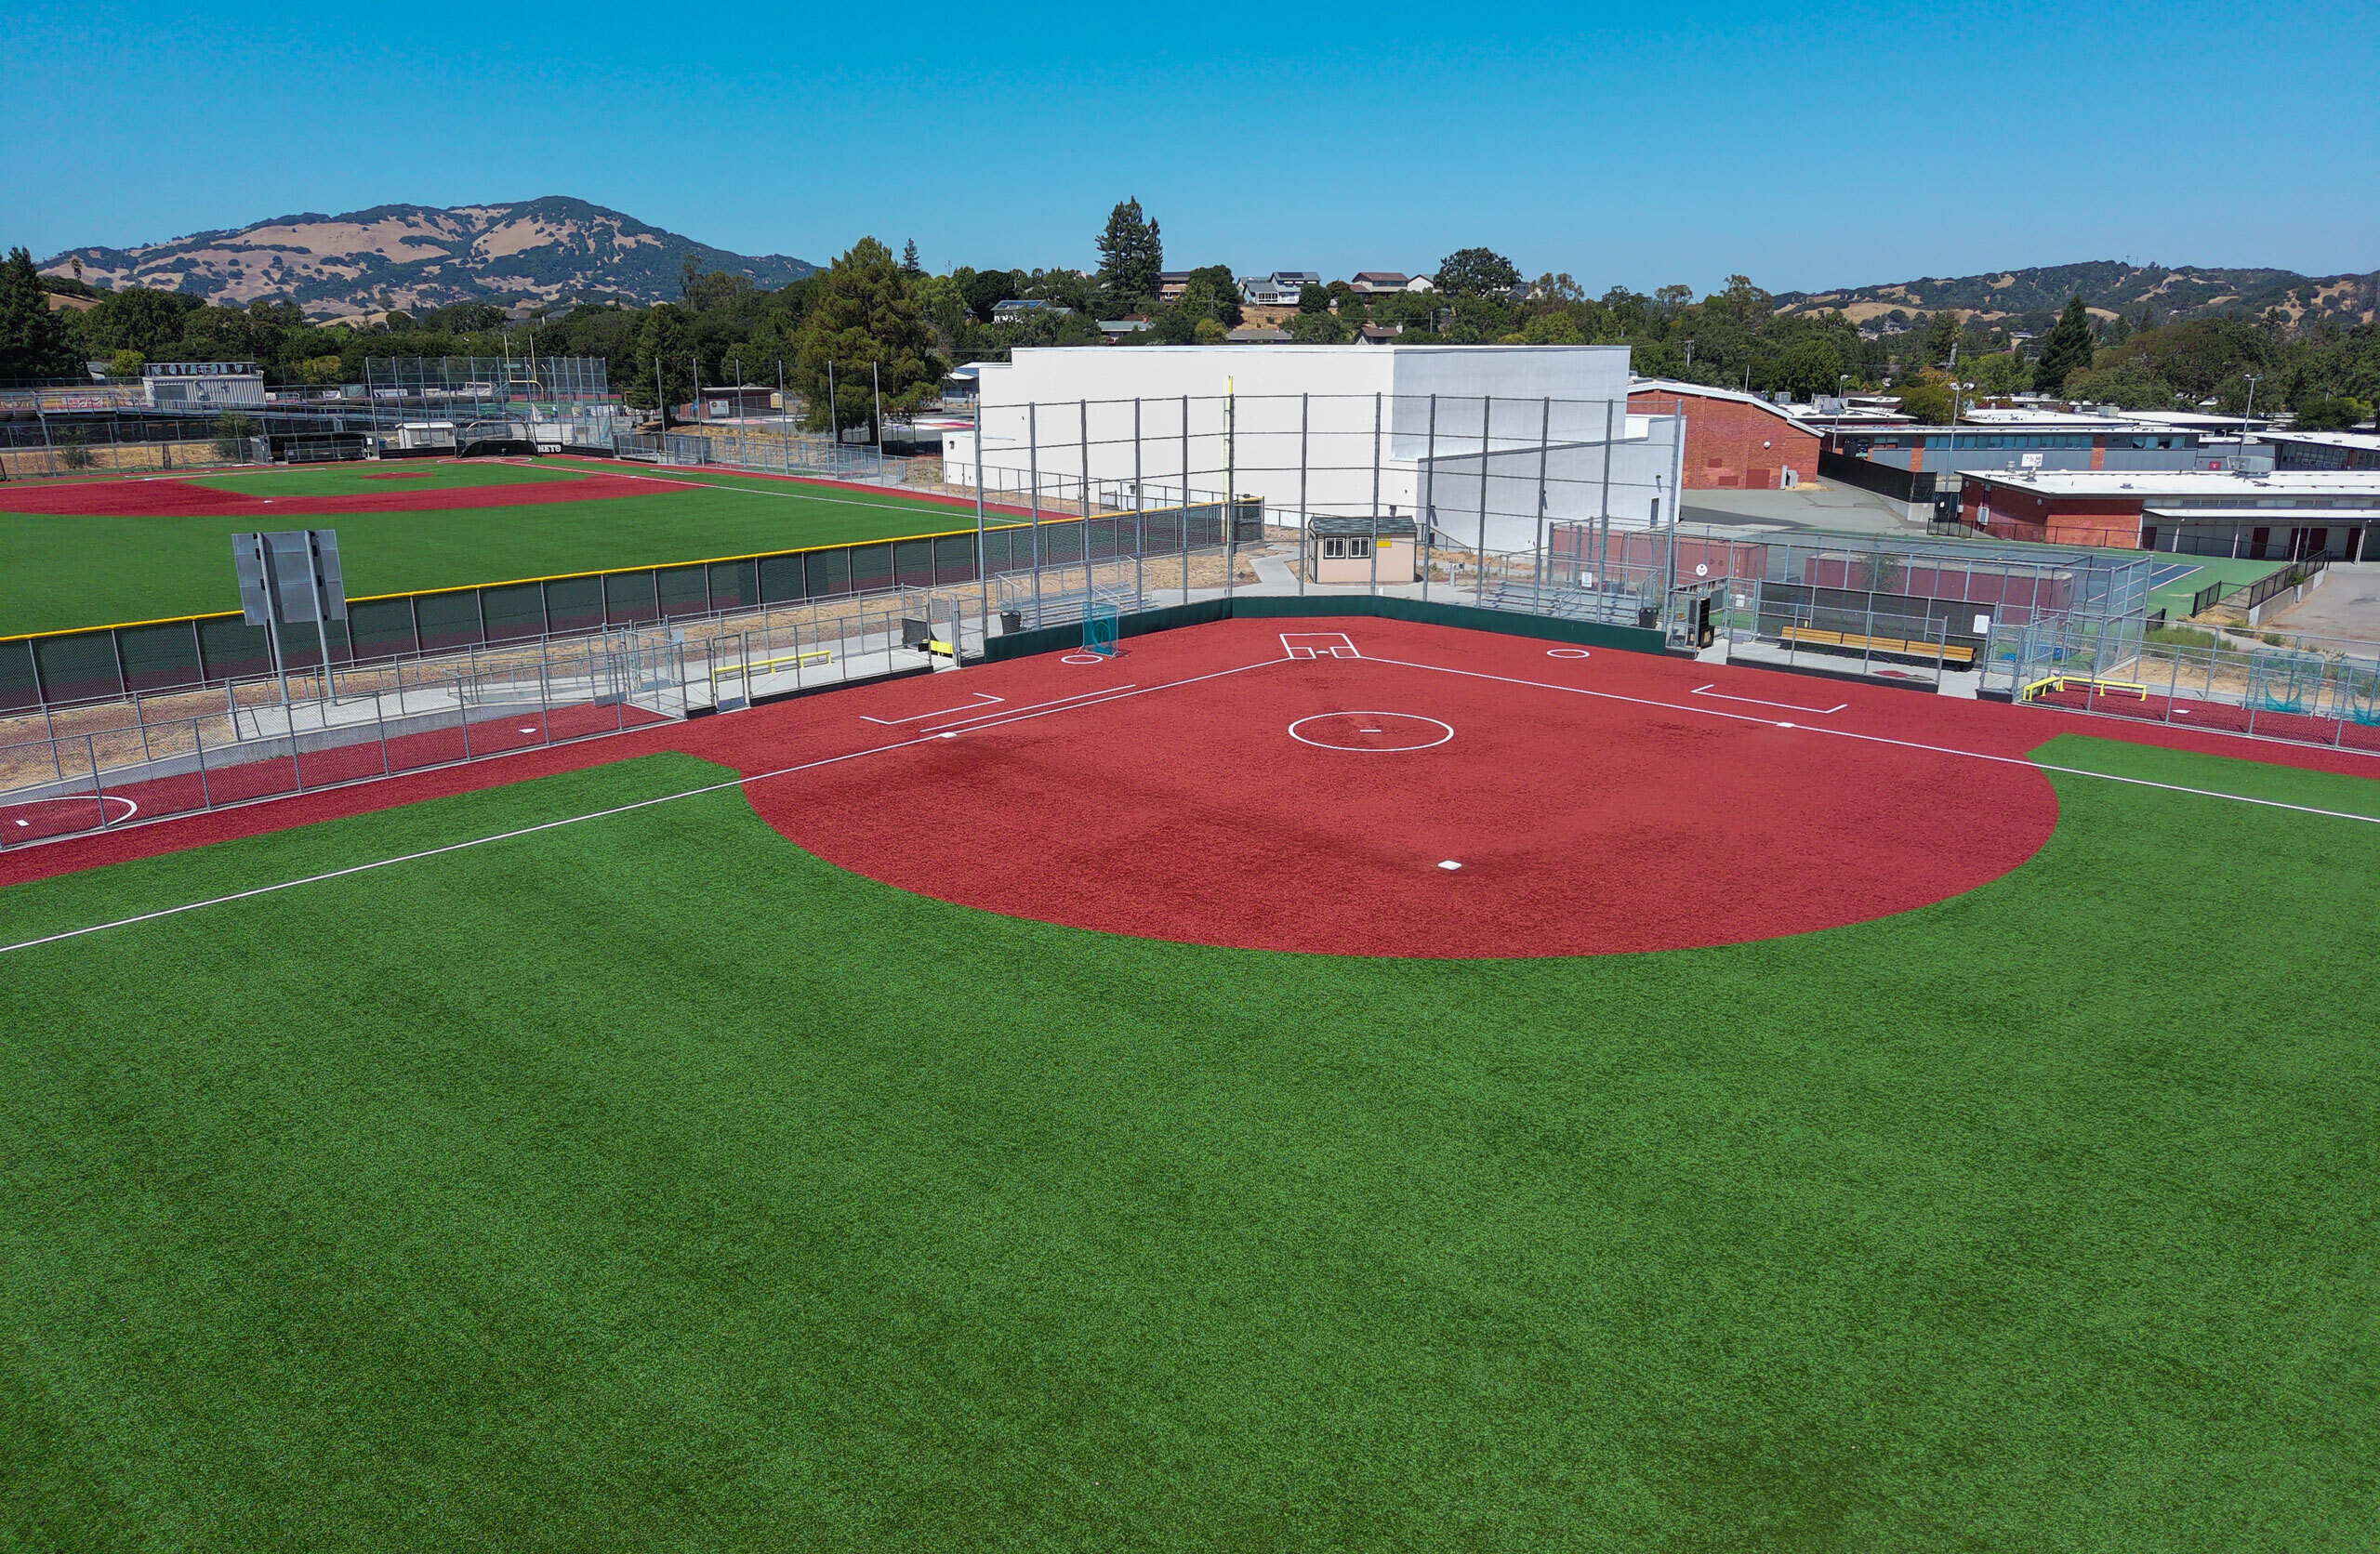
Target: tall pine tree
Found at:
2067, 352
863, 318
1131, 256
33, 339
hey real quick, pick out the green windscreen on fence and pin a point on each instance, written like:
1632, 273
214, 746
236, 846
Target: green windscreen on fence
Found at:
230, 649
69, 666
573, 604
159, 657
382, 627
18, 688
513, 611
684, 590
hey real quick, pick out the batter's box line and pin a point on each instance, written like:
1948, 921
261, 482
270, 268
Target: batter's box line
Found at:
1314, 644
1717, 694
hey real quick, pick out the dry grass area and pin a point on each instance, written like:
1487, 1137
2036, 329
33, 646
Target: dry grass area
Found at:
130, 458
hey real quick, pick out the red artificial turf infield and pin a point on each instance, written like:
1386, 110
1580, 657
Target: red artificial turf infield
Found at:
1121, 815
184, 498
1582, 824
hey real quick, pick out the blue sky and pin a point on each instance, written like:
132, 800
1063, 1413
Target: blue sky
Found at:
1806, 145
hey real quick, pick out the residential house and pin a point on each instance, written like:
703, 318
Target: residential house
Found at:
1279, 289
1379, 283
1029, 306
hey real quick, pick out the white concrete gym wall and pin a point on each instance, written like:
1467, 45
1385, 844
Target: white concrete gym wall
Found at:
1251, 411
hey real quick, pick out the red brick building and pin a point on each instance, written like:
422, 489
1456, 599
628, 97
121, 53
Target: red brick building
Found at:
1734, 441
2288, 515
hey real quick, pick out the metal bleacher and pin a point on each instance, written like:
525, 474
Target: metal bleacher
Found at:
1606, 607
1064, 608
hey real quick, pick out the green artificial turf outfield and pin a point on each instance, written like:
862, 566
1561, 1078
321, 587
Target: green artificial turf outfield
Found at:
648, 1183
64, 572
378, 477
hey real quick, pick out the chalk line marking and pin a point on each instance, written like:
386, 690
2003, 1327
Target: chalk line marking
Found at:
1882, 738
1100, 694
982, 698
1372, 749
131, 807
1314, 644
1754, 701
1017, 716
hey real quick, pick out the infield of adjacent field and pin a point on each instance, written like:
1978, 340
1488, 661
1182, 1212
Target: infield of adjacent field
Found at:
67, 572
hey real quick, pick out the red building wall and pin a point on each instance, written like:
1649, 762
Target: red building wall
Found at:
1732, 446
2007, 513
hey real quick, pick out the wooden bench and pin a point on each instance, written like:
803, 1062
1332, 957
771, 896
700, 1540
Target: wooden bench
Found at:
1947, 652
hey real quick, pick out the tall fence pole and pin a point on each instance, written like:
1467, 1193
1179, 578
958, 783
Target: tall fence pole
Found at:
1429, 494
1033, 478
1185, 499
983, 554
1305, 524
1603, 541
1082, 437
1140, 509
1487, 411
1231, 492
1537, 528
1373, 587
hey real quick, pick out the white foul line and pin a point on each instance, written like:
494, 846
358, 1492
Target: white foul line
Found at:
1029, 706
1018, 716
982, 698
1781, 706
1880, 739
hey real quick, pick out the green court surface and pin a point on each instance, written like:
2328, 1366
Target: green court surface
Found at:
648, 1183
2173, 595
69, 571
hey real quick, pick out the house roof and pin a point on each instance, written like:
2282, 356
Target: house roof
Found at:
1381, 278
1338, 524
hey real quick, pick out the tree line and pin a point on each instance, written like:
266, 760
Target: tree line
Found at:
874, 320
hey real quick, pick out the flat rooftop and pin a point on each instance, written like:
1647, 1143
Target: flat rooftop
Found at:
2368, 440
2168, 484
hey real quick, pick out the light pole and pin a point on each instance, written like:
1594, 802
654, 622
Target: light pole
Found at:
2246, 416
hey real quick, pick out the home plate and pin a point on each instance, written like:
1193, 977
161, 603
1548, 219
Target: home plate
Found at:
1449, 863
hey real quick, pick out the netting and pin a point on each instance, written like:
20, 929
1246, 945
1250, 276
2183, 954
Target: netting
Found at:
1099, 627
